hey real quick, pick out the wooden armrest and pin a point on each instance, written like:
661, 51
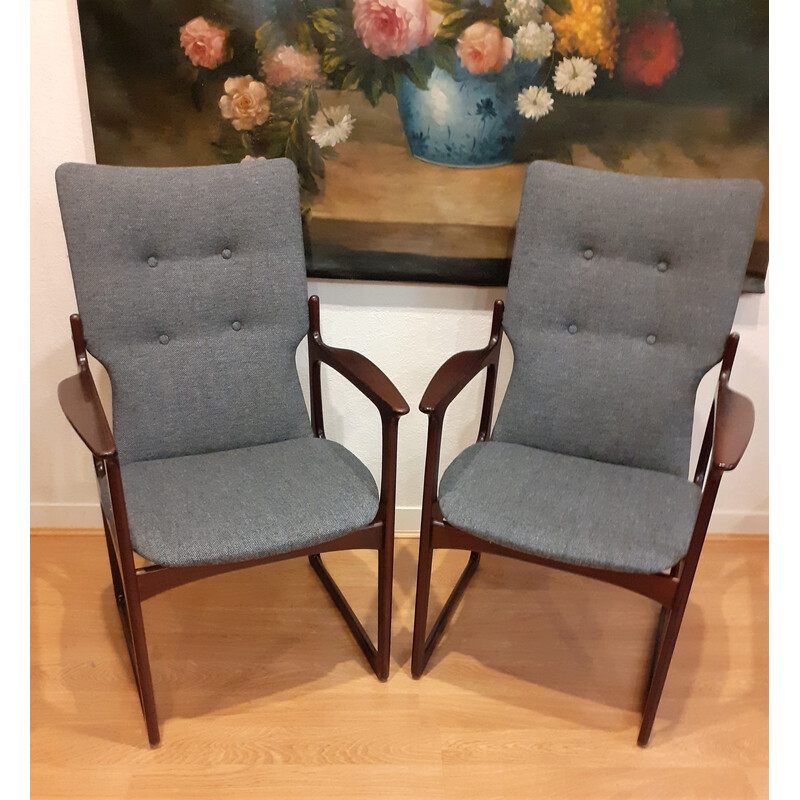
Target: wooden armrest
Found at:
358, 369
82, 407
460, 369
733, 425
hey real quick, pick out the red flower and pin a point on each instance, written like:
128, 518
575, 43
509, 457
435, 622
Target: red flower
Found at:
651, 51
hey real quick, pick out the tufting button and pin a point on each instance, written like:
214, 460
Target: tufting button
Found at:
662, 266
164, 339
572, 328
588, 254
152, 261
237, 326
651, 338
226, 253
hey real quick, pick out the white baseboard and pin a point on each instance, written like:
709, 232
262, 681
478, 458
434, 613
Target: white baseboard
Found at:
66, 515
87, 515
407, 519
739, 522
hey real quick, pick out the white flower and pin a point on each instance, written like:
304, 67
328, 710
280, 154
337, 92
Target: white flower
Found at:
521, 12
534, 102
244, 103
331, 126
575, 75
534, 41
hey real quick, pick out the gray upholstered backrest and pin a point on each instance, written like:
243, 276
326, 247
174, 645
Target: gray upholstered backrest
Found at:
191, 286
621, 295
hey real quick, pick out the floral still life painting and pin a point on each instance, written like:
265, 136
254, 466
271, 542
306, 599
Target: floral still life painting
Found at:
411, 121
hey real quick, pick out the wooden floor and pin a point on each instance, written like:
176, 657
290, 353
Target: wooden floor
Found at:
533, 693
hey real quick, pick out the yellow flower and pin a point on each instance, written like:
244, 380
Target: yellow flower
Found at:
590, 30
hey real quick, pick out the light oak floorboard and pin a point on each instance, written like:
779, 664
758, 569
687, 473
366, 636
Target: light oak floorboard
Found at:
534, 691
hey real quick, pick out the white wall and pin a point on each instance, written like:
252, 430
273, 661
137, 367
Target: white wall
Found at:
407, 329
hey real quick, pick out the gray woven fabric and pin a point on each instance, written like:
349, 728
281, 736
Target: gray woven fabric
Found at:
191, 286
621, 295
570, 509
247, 503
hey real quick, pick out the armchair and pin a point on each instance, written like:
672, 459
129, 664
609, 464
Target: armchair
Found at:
621, 297
192, 293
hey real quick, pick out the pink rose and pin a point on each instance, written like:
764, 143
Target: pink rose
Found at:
482, 48
244, 103
394, 27
287, 65
204, 44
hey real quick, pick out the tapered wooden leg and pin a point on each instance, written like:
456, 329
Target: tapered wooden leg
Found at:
658, 639
142, 669
116, 577
130, 615
673, 626
424, 566
685, 571
385, 572
126, 594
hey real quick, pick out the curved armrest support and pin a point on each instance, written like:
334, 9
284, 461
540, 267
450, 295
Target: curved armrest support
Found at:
452, 377
460, 369
82, 407
733, 425
444, 387
363, 374
358, 369
368, 379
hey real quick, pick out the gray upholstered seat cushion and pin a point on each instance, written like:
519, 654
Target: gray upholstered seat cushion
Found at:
570, 509
235, 505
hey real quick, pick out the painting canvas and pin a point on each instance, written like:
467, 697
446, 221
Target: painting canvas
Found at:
411, 121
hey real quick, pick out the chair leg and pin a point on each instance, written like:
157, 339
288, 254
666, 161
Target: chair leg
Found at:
356, 628
658, 641
662, 661
424, 566
130, 614
385, 576
116, 577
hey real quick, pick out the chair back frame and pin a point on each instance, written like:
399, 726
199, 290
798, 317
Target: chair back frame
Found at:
133, 585
670, 589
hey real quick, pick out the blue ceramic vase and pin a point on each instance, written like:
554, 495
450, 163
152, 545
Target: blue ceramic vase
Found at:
465, 120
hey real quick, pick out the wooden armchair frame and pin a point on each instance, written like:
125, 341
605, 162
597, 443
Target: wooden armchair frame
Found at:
81, 405
727, 433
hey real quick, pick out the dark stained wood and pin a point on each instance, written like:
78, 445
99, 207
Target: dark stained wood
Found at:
358, 369
80, 401
391, 405
735, 418
134, 629
727, 433
674, 615
437, 629
156, 578
461, 368
657, 586
82, 407
353, 622
445, 385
